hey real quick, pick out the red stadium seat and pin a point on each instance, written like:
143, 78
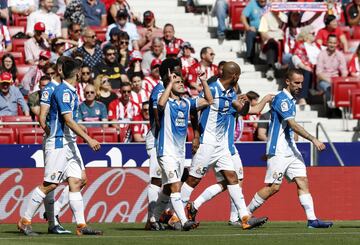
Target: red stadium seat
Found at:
355, 103
247, 134
18, 56
17, 119
356, 32
22, 70
30, 135
341, 89
103, 135
190, 134
79, 140
100, 32
19, 20
236, 7
7, 136
18, 45
13, 30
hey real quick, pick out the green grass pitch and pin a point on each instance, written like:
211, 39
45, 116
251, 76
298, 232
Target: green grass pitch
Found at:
343, 233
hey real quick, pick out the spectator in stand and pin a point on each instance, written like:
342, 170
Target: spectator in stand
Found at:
250, 17
74, 36
148, 31
172, 52
140, 130
220, 10
271, 36
116, 6
50, 70
5, 39
95, 13
138, 94
331, 27
114, 38
44, 15
329, 63
124, 25
206, 65
8, 65
74, 14
352, 12
135, 62
304, 58
22, 7
103, 90
354, 64
90, 50
36, 44
4, 12
157, 52
85, 79
253, 98
30, 81
11, 97
187, 60
57, 48
124, 53
91, 110
153, 78
123, 108
111, 67
34, 98
169, 39
263, 127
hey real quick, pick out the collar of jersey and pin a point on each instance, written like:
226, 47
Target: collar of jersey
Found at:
71, 87
54, 82
288, 94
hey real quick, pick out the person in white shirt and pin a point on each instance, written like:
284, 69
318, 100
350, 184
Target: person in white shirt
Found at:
22, 7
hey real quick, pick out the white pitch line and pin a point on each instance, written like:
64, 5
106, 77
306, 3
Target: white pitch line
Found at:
189, 235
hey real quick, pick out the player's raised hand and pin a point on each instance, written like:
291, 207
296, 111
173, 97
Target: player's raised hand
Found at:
320, 146
94, 144
201, 75
269, 97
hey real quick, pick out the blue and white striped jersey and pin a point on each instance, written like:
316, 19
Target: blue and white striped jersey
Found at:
174, 119
46, 94
281, 136
64, 100
231, 131
214, 119
153, 99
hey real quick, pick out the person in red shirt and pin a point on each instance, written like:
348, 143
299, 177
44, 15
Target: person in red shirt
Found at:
169, 39
140, 130
205, 65
187, 60
138, 94
354, 64
331, 27
153, 78
148, 31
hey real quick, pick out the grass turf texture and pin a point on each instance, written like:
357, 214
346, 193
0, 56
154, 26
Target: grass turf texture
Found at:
343, 232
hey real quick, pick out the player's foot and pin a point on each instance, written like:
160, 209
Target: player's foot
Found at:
190, 224
166, 216
24, 226
83, 229
156, 226
235, 223
319, 224
174, 222
191, 211
252, 222
58, 229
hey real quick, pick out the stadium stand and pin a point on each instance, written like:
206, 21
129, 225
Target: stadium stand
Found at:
104, 135
7, 136
30, 135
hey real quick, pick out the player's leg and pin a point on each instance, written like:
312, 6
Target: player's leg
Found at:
155, 183
234, 215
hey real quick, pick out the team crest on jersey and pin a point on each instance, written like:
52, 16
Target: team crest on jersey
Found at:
284, 106
66, 98
275, 175
45, 95
180, 120
171, 175
97, 111
183, 104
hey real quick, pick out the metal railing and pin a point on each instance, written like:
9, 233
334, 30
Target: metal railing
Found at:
315, 151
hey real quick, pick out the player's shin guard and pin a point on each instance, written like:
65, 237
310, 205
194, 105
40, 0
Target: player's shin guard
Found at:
308, 205
234, 214
62, 201
186, 191
178, 207
207, 195
255, 203
36, 199
237, 197
49, 209
77, 206
153, 194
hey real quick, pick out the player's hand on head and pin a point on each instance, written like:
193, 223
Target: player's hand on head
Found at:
94, 144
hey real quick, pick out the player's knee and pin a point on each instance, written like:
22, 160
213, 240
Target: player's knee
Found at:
84, 182
156, 181
193, 181
302, 183
47, 187
274, 189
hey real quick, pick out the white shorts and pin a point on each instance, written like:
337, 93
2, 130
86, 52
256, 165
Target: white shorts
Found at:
280, 166
63, 163
172, 169
154, 168
210, 155
238, 168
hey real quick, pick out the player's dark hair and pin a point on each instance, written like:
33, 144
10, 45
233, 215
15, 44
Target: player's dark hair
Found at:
45, 78
71, 68
293, 71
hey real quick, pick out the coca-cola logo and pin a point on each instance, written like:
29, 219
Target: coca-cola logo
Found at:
112, 195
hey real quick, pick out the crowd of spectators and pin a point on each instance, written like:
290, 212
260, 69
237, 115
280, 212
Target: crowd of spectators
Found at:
122, 52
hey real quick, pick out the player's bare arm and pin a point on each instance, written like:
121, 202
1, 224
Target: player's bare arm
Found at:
305, 134
94, 144
208, 99
44, 110
260, 106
